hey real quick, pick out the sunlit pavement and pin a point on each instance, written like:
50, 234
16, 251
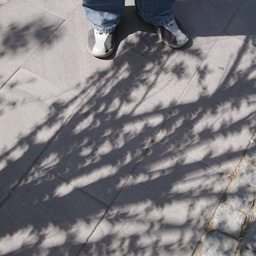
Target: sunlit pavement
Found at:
150, 152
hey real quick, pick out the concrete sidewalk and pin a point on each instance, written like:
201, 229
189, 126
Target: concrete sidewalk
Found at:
150, 152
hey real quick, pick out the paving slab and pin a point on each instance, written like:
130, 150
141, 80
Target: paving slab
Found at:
216, 243
61, 9
157, 211
32, 110
204, 19
250, 237
218, 107
154, 74
22, 32
240, 196
241, 25
165, 72
133, 91
144, 90
125, 100
68, 64
135, 35
100, 145
227, 73
36, 220
213, 138
251, 153
246, 252
228, 220
247, 175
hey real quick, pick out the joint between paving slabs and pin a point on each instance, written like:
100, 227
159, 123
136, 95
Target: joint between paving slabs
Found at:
209, 228
79, 189
244, 229
142, 157
245, 226
247, 222
54, 30
144, 153
250, 161
238, 7
241, 248
84, 245
33, 163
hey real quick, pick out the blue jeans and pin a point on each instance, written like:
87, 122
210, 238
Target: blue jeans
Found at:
105, 15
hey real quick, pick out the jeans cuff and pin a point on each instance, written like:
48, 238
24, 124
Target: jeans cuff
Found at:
158, 23
162, 23
104, 30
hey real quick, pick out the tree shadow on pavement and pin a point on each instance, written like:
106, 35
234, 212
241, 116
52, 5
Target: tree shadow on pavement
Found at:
19, 40
153, 164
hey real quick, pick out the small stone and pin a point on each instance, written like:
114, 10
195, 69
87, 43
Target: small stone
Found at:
217, 244
228, 220
250, 237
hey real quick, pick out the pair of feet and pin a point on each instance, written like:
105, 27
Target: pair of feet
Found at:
101, 44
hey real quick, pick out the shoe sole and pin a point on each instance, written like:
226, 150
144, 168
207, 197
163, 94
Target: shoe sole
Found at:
101, 56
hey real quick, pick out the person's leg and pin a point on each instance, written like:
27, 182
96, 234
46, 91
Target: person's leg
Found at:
156, 12
160, 14
104, 16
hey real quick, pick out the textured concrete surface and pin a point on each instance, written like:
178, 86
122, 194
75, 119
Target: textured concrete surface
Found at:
246, 252
228, 220
251, 154
241, 197
23, 29
149, 152
250, 237
236, 216
216, 243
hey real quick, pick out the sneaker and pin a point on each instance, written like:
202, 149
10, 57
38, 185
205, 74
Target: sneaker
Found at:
100, 44
172, 34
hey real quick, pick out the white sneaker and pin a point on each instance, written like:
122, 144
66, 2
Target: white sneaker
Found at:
172, 34
100, 44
